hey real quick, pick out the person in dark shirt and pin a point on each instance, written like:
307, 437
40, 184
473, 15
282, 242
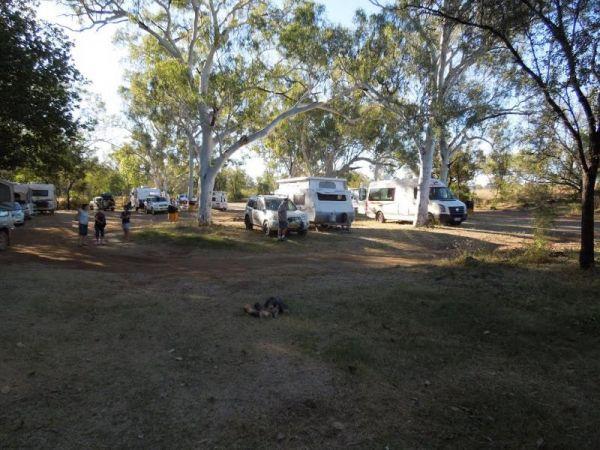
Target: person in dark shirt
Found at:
282, 219
99, 226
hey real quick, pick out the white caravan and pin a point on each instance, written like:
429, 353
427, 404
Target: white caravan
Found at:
43, 197
326, 201
219, 200
140, 194
396, 200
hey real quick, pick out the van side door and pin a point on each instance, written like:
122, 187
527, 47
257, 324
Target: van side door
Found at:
389, 203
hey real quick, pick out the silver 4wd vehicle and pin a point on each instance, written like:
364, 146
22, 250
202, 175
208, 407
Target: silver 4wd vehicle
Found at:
156, 205
261, 211
6, 225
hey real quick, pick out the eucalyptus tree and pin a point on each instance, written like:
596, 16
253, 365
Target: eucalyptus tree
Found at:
417, 68
321, 143
395, 62
39, 94
554, 44
230, 52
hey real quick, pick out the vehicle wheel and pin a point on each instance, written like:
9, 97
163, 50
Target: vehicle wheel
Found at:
302, 232
248, 223
379, 217
4, 240
430, 220
266, 228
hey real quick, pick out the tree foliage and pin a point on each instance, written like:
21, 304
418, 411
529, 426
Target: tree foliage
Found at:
39, 93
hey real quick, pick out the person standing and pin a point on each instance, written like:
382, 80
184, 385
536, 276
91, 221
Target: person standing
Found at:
282, 218
99, 226
83, 219
126, 222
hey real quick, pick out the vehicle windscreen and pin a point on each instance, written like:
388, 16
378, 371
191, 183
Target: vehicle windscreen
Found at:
272, 204
440, 193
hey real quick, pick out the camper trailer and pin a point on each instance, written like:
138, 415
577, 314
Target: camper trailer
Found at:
326, 201
44, 197
396, 200
139, 195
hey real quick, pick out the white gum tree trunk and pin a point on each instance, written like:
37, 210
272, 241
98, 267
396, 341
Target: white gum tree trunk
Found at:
425, 168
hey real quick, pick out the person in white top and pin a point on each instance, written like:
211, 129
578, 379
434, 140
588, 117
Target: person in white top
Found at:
83, 219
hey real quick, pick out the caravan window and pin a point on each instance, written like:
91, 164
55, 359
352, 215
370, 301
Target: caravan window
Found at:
362, 194
40, 193
382, 194
326, 184
331, 197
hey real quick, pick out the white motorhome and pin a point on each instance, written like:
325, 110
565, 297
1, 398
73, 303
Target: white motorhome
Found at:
326, 201
396, 200
43, 197
140, 194
219, 200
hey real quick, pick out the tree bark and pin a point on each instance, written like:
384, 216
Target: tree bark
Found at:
425, 168
586, 252
192, 153
445, 159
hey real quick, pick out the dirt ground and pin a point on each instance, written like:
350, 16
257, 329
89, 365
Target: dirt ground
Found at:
145, 344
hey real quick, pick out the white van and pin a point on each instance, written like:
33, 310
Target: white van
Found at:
43, 197
140, 194
219, 200
326, 201
396, 200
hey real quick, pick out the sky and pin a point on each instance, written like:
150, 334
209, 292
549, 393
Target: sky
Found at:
101, 62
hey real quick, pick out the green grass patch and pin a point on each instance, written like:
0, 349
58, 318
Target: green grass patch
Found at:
195, 237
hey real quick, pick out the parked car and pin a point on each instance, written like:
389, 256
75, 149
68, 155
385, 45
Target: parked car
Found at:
261, 211
27, 209
15, 210
6, 226
103, 202
156, 205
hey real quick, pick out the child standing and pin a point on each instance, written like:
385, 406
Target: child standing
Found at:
99, 225
83, 219
126, 222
